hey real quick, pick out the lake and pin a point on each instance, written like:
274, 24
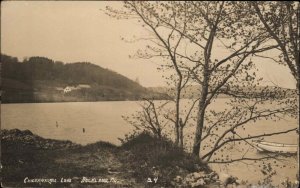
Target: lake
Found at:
103, 121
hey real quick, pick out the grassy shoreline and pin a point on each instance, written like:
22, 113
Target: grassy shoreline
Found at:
31, 161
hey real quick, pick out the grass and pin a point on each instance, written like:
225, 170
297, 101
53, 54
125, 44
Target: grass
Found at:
154, 157
141, 157
20, 161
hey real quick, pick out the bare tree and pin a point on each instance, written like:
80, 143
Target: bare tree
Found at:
150, 118
281, 21
165, 44
220, 22
211, 45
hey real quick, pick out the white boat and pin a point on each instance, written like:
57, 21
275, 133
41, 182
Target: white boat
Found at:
274, 147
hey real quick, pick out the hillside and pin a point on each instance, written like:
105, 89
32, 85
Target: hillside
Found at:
39, 79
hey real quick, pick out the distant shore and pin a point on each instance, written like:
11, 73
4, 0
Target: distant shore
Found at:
58, 97
109, 100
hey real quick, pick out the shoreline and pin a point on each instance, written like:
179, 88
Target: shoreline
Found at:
30, 160
40, 102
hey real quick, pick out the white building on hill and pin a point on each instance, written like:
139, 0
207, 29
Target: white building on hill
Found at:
80, 86
68, 89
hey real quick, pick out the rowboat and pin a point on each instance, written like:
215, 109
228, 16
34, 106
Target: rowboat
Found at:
274, 147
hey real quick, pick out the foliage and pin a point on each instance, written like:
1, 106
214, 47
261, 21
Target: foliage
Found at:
281, 21
187, 39
152, 157
41, 68
36, 79
151, 118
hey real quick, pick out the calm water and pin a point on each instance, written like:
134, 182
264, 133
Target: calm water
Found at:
103, 121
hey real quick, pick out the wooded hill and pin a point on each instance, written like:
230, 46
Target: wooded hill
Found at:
40, 79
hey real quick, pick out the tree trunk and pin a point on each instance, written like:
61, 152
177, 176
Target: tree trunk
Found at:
178, 93
298, 93
181, 137
198, 134
181, 133
177, 136
200, 120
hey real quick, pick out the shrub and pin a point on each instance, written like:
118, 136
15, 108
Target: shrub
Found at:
150, 156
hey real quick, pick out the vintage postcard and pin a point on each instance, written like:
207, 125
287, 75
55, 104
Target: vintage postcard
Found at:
150, 94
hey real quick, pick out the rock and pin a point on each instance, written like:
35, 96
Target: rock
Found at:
239, 182
195, 175
223, 177
207, 180
26, 137
228, 180
197, 179
198, 175
178, 179
199, 182
188, 180
213, 174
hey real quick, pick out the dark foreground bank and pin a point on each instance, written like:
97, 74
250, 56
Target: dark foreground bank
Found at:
141, 161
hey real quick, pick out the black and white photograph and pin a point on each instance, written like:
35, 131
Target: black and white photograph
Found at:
161, 94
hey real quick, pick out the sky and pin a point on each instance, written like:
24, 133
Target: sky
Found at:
79, 31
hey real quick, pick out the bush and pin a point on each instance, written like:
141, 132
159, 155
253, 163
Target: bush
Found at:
150, 156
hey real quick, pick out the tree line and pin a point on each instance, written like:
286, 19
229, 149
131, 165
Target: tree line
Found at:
36, 79
42, 68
